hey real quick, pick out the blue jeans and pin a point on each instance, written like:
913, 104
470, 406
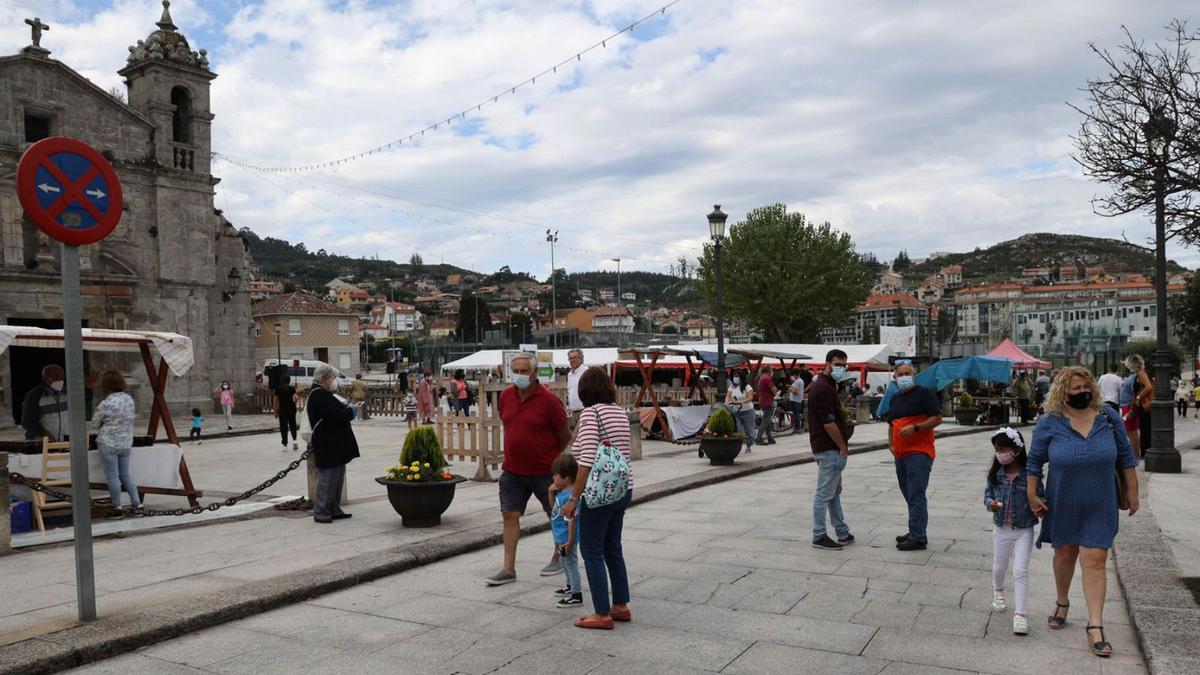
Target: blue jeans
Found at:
116, 470
829, 495
745, 419
570, 565
797, 414
912, 471
600, 546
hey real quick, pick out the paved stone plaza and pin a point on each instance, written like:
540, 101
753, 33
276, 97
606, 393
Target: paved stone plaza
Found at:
724, 580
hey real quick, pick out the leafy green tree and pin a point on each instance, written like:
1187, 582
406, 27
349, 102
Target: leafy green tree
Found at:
902, 262
567, 292
474, 318
786, 276
1145, 349
416, 261
1184, 313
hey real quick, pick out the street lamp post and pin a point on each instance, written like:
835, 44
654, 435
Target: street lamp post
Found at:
1162, 456
278, 347
716, 230
552, 238
620, 303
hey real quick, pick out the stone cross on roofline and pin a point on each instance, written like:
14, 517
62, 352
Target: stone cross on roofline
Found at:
36, 27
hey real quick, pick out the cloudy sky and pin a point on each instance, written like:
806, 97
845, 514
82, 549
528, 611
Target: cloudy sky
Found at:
926, 126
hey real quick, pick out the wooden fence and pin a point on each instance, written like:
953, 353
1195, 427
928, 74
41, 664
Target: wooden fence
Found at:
477, 437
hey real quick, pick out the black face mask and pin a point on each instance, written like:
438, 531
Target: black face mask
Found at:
1080, 401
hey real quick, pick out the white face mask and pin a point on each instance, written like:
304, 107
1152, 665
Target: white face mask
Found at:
522, 380
57, 385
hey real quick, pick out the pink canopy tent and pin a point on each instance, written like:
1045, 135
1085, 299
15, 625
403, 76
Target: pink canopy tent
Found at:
1021, 360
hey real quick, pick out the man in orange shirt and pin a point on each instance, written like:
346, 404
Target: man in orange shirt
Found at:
914, 413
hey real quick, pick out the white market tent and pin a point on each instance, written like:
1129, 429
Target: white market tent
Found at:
870, 357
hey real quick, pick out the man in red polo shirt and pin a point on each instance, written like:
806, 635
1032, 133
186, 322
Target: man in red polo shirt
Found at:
766, 403
535, 432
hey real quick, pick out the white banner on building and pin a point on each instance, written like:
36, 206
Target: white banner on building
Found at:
902, 339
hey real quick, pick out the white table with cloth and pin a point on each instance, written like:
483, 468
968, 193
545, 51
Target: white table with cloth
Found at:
151, 466
686, 420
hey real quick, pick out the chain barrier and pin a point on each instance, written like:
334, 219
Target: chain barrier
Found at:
109, 509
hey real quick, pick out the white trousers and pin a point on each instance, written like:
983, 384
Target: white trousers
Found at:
228, 410
1007, 541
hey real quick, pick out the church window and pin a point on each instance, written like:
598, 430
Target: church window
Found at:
181, 120
37, 127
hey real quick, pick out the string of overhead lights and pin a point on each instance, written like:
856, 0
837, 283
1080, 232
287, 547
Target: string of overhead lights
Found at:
446, 122
424, 219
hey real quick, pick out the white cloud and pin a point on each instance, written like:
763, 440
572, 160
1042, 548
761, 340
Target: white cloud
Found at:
923, 126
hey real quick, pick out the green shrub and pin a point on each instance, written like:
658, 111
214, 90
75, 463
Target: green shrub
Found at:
721, 423
422, 447
966, 401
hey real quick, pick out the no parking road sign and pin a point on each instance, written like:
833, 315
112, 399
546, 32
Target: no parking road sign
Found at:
69, 190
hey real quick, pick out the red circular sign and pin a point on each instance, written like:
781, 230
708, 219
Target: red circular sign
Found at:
69, 190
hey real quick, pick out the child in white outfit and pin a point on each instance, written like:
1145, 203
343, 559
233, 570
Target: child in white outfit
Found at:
1012, 520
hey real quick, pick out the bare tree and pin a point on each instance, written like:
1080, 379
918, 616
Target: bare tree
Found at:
1141, 129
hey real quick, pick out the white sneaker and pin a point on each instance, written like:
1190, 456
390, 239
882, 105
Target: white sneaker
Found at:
1020, 625
998, 603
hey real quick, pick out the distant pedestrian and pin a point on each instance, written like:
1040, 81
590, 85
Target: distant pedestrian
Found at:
114, 438
285, 410
766, 403
410, 410
574, 405
827, 434
740, 401
197, 423
1137, 390
425, 400
535, 433
796, 400
460, 394
1110, 388
1183, 394
1083, 442
1196, 398
566, 530
333, 443
225, 396
1024, 394
603, 430
912, 415
1005, 496
358, 395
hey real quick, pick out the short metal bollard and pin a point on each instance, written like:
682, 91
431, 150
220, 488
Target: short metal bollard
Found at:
312, 482
5, 514
635, 436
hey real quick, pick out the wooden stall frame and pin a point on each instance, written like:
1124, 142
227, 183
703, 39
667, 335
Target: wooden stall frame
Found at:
159, 411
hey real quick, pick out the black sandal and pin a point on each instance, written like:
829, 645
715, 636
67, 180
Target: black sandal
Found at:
1101, 648
1055, 621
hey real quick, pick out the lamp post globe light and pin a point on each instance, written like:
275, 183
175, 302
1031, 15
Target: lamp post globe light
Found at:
1161, 456
716, 230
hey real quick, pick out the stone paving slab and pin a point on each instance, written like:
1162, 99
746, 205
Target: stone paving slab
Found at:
750, 613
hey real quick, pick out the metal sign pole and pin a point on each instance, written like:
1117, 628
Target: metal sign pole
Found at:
85, 579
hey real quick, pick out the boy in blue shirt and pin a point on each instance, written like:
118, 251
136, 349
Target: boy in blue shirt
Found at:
566, 533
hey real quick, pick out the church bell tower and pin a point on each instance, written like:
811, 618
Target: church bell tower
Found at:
169, 84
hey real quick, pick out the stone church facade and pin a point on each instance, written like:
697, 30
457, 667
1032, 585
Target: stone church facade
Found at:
172, 264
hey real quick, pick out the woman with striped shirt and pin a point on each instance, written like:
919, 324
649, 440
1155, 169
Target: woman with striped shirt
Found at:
600, 528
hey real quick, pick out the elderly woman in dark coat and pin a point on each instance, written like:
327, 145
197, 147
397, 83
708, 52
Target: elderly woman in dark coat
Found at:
333, 444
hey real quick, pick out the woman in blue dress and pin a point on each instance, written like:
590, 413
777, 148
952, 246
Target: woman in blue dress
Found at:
1084, 442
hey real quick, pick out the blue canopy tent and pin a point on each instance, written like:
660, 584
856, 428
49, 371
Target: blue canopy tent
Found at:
944, 373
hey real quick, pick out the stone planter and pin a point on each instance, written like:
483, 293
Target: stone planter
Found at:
420, 504
721, 451
966, 416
